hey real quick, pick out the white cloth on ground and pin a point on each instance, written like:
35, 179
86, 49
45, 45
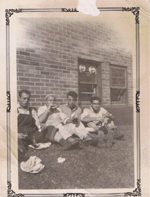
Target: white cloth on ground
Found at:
32, 165
41, 145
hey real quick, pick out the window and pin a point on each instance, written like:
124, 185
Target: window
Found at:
118, 84
89, 78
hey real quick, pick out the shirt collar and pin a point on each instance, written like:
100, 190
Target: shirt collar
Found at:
74, 109
19, 107
94, 111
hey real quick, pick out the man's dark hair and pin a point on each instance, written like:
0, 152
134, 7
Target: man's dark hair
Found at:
24, 91
95, 98
73, 94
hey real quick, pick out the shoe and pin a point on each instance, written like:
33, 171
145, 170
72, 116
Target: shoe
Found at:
118, 136
91, 141
70, 145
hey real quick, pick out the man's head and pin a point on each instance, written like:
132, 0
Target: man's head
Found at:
50, 99
24, 98
72, 98
96, 103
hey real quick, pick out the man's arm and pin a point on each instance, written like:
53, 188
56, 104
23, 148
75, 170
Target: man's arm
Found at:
43, 113
91, 119
64, 117
85, 117
107, 114
37, 122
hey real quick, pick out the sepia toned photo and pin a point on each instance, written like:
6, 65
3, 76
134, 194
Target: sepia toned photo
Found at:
77, 75
77, 101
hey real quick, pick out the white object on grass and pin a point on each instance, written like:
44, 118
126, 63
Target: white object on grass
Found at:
61, 160
32, 165
40, 145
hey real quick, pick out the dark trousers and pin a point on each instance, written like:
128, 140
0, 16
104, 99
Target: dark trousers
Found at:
36, 136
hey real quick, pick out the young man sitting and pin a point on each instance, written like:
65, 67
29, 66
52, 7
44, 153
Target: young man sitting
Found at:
98, 120
73, 112
30, 130
51, 115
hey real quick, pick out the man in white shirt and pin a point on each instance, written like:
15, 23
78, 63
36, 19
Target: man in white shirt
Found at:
73, 112
30, 130
98, 120
51, 115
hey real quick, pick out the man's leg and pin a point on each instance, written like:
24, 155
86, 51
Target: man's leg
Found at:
81, 131
117, 135
101, 136
22, 150
109, 138
65, 131
105, 135
85, 136
47, 135
53, 135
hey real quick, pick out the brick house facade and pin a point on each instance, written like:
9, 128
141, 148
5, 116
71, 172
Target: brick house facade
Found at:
50, 52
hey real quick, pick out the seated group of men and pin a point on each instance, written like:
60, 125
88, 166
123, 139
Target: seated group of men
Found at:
66, 124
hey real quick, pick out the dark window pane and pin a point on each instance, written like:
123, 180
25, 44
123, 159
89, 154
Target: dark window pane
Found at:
122, 82
121, 73
115, 72
87, 88
115, 95
118, 95
86, 76
87, 80
118, 82
85, 97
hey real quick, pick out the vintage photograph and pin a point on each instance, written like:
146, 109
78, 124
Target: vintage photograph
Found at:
75, 102
74, 98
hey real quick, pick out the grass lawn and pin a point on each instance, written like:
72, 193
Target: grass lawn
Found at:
88, 167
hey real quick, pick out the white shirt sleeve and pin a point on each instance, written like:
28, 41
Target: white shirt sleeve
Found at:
35, 116
86, 113
63, 116
104, 111
41, 110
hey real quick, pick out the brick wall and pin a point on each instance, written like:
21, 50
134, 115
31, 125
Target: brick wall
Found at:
48, 52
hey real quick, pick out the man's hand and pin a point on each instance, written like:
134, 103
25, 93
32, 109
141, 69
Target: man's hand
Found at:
108, 115
77, 122
43, 127
69, 121
74, 121
54, 106
49, 107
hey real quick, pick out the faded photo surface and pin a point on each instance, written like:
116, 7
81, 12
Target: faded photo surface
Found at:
90, 56
74, 82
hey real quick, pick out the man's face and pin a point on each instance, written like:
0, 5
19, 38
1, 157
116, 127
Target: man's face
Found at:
24, 100
71, 102
50, 100
96, 105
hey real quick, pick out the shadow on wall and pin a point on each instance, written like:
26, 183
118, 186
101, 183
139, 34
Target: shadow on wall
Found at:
123, 115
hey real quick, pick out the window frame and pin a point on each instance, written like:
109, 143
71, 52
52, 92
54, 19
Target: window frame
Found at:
98, 82
125, 68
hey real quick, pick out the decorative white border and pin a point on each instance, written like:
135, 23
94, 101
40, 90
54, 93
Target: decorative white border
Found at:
135, 11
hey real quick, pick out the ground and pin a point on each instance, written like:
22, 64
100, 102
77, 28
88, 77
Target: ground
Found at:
88, 167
